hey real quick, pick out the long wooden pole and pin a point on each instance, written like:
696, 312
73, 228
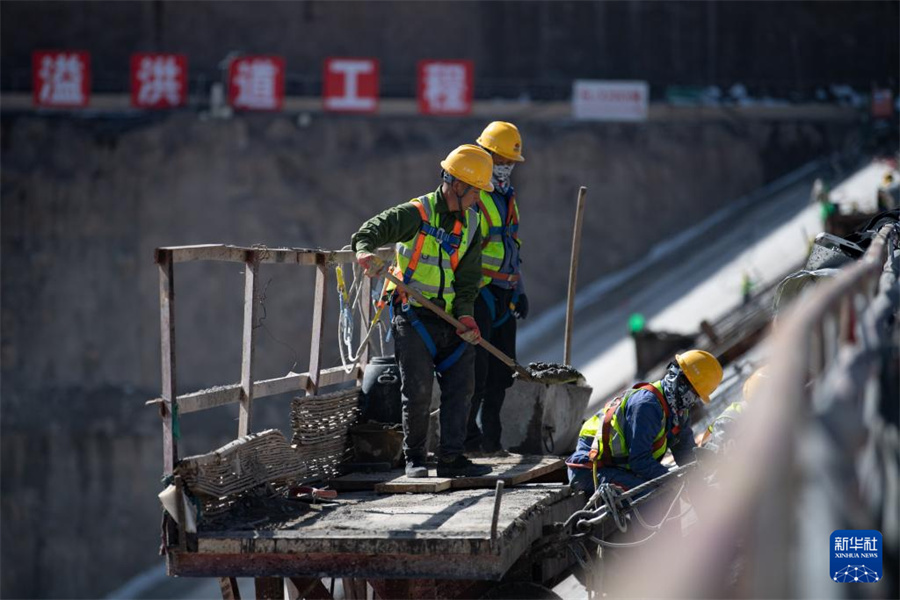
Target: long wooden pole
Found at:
573, 271
509, 362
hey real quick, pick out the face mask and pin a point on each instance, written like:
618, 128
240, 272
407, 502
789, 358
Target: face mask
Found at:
501, 176
679, 393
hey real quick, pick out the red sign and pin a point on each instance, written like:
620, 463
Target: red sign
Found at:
158, 80
445, 87
350, 85
61, 78
256, 82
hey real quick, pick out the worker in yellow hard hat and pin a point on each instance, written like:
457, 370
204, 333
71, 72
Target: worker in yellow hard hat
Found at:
438, 253
502, 298
625, 441
721, 431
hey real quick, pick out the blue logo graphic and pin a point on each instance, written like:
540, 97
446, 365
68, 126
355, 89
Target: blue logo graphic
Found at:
856, 556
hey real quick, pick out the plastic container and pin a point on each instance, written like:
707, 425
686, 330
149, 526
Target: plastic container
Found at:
379, 399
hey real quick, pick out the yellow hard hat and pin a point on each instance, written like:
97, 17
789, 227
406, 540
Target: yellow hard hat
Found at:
470, 164
502, 138
702, 370
754, 383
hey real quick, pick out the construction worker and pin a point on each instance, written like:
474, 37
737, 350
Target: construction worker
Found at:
502, 298
721, 431
625, 441
439, 255
889, 192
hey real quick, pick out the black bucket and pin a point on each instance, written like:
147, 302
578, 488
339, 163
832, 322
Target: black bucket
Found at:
380, 395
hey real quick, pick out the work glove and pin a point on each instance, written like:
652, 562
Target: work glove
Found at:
371, 263
521, 308
471, 333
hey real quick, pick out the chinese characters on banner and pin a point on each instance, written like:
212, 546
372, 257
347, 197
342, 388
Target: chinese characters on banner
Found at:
61, 78
158, 80
350, 85
610, 100
445, 87
256, 82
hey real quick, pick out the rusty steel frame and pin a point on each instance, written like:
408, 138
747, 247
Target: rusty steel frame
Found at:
171, 404
366, 566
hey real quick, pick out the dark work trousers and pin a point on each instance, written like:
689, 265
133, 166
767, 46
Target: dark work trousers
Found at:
492, 377
417, 371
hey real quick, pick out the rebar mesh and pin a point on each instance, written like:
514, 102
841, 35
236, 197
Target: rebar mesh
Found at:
321, 427
217, 479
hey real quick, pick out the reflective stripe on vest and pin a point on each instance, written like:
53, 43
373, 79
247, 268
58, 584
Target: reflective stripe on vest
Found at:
608, 444
427, 262
494, 234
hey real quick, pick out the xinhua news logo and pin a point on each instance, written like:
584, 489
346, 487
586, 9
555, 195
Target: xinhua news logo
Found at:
856, 556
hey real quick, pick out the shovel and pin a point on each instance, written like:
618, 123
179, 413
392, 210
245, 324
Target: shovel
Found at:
506, 360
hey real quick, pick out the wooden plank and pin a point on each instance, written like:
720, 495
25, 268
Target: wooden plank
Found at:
512, 470
251, 292
425, 485
318, 324
230, 589
269, 588
231, 394
358, 482
573, 275
167, 359
228, 253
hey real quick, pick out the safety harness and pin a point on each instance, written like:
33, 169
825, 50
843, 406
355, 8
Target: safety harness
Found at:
450, 243
603, 434
499, 232
491, 301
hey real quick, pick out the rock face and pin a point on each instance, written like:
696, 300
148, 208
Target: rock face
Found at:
85, 202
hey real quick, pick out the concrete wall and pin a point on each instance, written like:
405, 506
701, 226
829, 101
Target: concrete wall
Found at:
778, 48
85, 202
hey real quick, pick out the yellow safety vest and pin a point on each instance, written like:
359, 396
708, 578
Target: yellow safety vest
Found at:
494, 234
609, 446
729, 414
427, 262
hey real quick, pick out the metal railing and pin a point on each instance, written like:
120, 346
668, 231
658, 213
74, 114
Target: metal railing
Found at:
818, 452
171, 404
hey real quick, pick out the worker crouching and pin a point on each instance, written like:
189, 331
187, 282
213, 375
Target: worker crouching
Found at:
624, 443
438, 245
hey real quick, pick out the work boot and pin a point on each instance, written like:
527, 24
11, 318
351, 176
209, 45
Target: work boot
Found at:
416, 469
460, 466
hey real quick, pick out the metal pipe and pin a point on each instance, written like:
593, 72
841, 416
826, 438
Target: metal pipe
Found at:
498, 495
